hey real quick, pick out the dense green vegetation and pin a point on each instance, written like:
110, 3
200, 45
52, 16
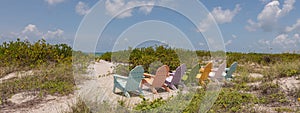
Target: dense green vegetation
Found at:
50, 66
23, 55
172, 57
144, 56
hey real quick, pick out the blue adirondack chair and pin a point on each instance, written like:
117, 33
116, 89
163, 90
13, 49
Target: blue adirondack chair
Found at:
230, 70
176, 78
130, 83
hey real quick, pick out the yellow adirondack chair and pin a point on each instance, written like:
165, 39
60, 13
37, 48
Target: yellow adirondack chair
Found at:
204, 73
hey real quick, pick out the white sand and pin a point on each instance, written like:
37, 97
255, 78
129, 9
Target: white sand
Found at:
16, 74
256, 75
103, 67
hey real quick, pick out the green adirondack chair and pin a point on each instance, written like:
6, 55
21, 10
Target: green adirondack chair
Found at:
230, 70
130, 83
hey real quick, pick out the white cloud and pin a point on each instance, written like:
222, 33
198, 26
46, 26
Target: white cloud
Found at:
201, 44
82, 8
296, 36
234, 36
284, 41
30, 28
147, 9
264, 42
267, 19
228, 42
264, 1
29, 31
296, 26
224, 16
52, 2
32, 32
54, 34
115, 7
253, 26
220, 16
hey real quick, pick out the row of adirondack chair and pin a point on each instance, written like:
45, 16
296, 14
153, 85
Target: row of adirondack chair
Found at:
136, 78
206, 71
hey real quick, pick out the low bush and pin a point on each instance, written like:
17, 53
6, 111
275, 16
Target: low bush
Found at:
56, 80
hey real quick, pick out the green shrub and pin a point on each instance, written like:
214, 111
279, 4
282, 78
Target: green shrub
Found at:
24, 53
231, 100
283, 109
269, 88
193, 106
146, 104
56, 80
79, 107
106, 56
271, 93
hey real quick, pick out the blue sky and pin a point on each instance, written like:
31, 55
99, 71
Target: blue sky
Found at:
246, 25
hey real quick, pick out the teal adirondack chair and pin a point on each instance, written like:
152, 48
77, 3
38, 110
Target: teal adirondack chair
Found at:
130, 83
230, 70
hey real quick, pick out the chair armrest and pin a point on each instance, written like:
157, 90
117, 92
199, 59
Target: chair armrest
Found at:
171, 74
214, 70
226, 69
148, 75
120, 77
201, 70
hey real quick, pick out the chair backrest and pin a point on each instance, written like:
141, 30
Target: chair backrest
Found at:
134, 78
183, 68
219, 72
207, 70
178, 74
193, 73
160, 76
231, 70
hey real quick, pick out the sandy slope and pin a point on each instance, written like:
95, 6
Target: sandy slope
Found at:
96, 90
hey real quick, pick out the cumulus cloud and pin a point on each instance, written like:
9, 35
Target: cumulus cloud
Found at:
228, 42
283, 41
264, 1
54, 34
52, 2
264, 42
295, 27
234, 36
115, 7
82, 8
267, 19
224, 16
31, 29
201, 44
220, 16
148, 8
32, 32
